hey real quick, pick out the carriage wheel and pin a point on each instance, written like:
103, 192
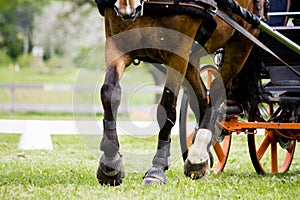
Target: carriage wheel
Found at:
208, 74
222, 145
280, 155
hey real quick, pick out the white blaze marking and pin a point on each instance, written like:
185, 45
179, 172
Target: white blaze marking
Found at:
128, 9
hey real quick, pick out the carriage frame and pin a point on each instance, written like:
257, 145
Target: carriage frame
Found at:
281, 94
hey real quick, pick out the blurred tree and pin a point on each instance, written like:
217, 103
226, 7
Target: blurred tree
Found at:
16, 24
67, 28
82, 2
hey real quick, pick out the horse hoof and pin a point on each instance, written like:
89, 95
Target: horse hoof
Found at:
110, 170
196, 171
154, 176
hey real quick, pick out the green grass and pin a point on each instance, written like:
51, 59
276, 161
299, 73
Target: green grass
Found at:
68, 172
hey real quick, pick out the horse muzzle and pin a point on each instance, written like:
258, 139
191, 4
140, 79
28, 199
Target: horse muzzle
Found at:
128, 13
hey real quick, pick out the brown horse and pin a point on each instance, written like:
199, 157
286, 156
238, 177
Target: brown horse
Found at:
167, 39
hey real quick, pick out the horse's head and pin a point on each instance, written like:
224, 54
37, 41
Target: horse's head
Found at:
129, 9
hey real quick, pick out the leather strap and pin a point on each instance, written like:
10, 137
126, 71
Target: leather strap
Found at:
196, 3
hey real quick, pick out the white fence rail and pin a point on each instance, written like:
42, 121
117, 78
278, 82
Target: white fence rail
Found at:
36, 134
12, 106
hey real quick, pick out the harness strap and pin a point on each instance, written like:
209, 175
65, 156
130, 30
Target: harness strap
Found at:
205, 30
248, 35
102, 4
203, 4
166, 5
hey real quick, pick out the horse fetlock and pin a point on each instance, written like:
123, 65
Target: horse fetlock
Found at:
154, 176
163, 163
162, 157
110, 142
111, 166
110, 146
110, 170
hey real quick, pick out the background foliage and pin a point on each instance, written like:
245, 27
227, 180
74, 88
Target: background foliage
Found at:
60, 28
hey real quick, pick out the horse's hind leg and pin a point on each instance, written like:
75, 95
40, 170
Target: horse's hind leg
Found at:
196, 91
199, 157
166, 116
110, 170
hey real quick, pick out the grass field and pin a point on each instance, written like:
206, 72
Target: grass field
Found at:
68, 172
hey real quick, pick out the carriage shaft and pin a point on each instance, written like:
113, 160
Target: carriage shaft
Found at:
278, 36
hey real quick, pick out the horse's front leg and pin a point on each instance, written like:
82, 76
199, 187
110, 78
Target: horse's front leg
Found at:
166, 116
110, 170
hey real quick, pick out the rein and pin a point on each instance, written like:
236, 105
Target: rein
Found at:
200, 4
241, 30
255, 20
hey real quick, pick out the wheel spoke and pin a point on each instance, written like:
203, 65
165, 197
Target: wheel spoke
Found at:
226, 143
274, 159
280, 156
288, 157
263, 147
219, 152
291, 148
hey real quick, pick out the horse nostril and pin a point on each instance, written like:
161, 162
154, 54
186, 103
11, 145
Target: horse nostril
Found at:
128, 17
138, 10
133, 15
